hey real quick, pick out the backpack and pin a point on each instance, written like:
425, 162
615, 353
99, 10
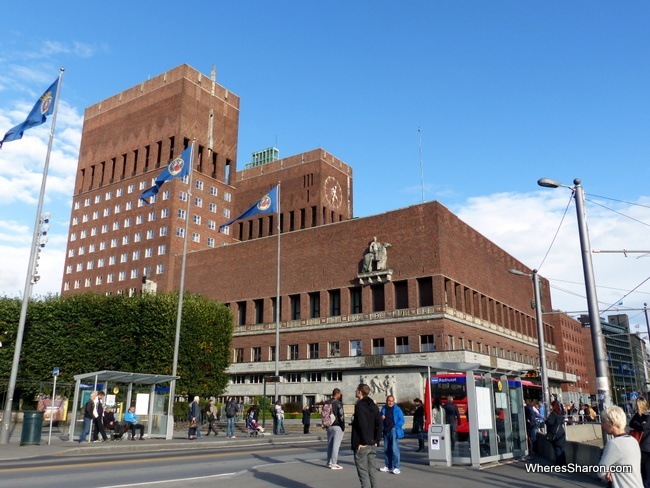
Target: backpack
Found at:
328, 416
231, 409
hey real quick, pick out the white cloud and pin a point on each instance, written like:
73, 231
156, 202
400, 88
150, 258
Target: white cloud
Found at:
525, 225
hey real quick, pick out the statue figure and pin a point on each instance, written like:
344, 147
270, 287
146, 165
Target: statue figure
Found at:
389, 385
377, 254
376, 386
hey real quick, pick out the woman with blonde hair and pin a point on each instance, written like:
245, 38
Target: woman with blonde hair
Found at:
640, 423
621, 453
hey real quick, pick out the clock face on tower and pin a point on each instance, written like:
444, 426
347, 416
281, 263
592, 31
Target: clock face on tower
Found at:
333, 192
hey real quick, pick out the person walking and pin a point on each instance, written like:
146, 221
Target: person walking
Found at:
98, 418
622, 455
366, 436
211, 417
194, 416
231, 413
335, 430
452, 418
418, 424
640, 423
556, 432
306, 419
393, 430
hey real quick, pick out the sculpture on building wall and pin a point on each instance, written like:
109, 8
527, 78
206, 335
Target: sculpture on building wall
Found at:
377, 256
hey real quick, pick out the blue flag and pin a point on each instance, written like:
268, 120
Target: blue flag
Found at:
267, 204
44, 107
178, 168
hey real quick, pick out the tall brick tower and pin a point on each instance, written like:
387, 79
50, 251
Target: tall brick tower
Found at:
115, 239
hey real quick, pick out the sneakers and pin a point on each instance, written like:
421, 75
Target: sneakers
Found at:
328, 465
396, 471
336, 466
385, 469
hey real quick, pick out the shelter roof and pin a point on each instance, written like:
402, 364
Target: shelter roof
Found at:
127, 377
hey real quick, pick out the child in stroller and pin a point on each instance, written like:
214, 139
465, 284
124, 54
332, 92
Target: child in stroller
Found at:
252, 426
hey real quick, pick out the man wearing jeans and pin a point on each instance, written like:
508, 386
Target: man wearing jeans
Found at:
335, 430
231, 413
366, 436
393, 428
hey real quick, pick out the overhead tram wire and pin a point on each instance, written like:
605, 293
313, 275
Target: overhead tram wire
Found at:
617, 212
631, 291
566, 209
620, 201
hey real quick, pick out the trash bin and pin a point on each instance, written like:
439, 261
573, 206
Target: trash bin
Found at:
32, 426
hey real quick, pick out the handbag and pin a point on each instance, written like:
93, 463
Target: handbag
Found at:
637, 434
193, 424
551, 437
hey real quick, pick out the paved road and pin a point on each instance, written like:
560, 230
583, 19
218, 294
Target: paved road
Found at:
294, 461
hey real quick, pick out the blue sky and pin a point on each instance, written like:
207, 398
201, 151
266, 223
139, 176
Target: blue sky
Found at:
503, 93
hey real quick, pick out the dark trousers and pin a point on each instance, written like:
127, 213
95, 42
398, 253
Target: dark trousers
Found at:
211, 427
131, 426
305, 429
98, 425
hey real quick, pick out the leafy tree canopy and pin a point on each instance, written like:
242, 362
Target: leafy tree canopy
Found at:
89, 332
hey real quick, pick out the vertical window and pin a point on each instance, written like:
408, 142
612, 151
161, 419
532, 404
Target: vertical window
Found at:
259, 311
238, 355
355, 348
333, 349
314, 305
378, 304
425, 291
401, 294
293, 352
295, 307
355, 299
426, 343
402, 345
378, 346
313, 350
335, 303
241, 313
256, 354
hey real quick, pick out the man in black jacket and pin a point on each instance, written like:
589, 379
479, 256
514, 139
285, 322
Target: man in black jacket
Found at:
366, 436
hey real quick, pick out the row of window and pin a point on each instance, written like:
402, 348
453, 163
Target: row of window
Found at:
110, 277
112, 260
354, 348
402, 345
227, 196
126, 240
310, 377
356, 303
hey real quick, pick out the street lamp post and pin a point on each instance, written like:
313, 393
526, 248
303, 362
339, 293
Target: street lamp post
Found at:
597, 343
540, 336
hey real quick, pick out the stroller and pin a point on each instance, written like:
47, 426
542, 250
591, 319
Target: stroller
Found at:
254, 429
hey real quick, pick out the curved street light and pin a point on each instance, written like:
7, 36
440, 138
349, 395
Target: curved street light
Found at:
597, 342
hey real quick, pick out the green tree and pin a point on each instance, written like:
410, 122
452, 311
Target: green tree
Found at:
91, 332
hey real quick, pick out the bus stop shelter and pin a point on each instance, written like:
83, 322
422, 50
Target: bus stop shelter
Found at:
494, 402
152, 400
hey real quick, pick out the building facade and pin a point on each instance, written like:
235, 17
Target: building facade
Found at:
360, 299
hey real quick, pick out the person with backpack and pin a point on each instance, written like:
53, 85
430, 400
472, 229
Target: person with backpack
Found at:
393, 430
334, 422
231, 412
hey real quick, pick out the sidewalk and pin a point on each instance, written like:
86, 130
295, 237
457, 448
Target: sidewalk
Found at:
60, 446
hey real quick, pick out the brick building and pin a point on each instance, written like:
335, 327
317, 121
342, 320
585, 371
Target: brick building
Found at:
444, 294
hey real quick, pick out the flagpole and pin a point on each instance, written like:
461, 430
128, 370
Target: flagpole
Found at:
179, 314
277, 307
29, 281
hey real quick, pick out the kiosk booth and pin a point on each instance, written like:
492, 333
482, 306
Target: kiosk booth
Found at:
492, 423
148, 392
